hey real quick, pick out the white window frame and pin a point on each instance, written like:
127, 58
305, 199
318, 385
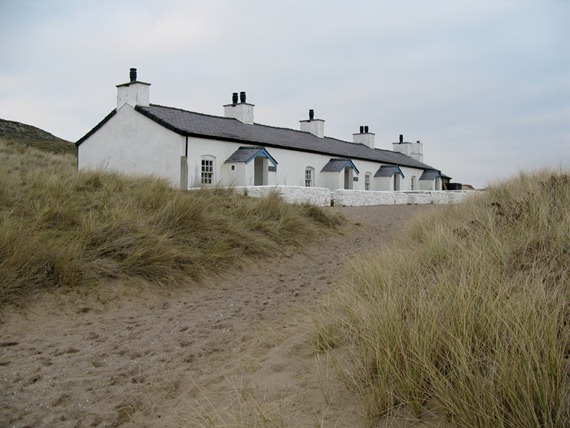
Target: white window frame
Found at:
367, 179
207, 170
309, 176
413, 182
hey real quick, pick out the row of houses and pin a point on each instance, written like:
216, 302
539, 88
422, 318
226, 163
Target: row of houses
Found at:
194, 149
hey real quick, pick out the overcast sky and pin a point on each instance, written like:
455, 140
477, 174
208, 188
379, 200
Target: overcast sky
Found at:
484, 84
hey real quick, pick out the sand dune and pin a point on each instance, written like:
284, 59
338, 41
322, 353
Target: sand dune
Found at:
230, 351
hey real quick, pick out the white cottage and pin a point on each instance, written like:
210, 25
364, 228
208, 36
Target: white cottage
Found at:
194, 149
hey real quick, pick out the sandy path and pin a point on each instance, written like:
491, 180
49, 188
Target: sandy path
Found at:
228, 352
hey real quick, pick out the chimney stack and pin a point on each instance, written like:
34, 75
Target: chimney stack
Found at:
364, 137
134, 93
314, 126
241, 111
413, 150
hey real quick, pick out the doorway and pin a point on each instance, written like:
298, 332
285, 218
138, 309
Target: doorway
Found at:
260, 171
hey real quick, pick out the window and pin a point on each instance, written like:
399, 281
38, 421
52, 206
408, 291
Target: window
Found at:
309, 177
413, 182
207, 175
367, 181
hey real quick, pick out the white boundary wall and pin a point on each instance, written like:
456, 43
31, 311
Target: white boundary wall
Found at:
359, 198
322, 196
319, 196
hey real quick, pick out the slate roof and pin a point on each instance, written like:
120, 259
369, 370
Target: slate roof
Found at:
388, 171
189, 123
246, 154
430, 174
337, 165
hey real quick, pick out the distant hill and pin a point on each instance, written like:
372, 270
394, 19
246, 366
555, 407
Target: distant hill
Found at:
30, 136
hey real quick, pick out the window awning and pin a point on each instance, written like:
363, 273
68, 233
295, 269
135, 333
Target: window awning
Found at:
337, 165
389, 171
247, 154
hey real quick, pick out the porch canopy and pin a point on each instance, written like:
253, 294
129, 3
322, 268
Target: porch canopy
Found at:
247, 154
389, 171
337, 165
430, 174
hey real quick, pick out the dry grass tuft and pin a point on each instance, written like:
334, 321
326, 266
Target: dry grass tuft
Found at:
64, 229
468, 315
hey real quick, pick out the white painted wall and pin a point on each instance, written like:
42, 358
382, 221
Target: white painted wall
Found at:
318, 196
357, 198
133, 144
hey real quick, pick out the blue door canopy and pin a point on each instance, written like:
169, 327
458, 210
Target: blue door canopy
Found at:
337, 165
247, 154
389, 171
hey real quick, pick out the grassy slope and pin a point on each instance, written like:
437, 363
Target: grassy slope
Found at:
469, 314
23, 135
61, 228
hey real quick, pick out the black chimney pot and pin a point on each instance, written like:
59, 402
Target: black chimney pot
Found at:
133, 75
234, 98
366, 129
362, 129
311, 114
242, 97
401, 138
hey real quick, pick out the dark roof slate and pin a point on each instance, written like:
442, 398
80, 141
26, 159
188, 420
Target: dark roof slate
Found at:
388, 171
337, 165
216, 127
430, 174
246, 154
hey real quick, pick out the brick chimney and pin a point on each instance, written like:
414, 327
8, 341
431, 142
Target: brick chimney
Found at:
364, 137
134, 93
314, 126
241, 110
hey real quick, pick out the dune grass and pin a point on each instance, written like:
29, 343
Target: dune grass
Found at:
468, 315
64, 229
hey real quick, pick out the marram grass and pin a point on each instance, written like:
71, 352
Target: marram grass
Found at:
60, 228
468, 315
